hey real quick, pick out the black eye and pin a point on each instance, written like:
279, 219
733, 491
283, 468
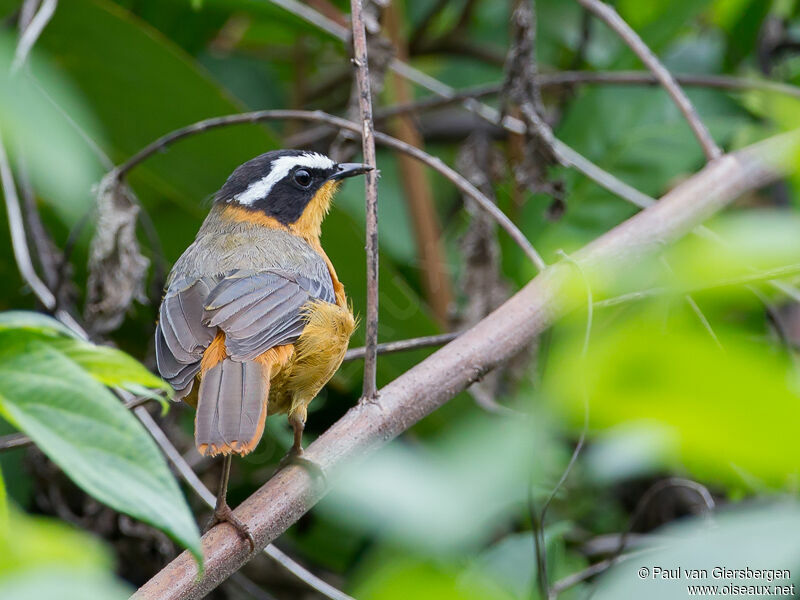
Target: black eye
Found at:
302, 178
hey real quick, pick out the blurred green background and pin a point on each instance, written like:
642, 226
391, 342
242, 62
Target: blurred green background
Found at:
699, 388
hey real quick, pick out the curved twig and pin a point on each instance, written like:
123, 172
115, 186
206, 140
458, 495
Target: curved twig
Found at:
321, 117
32, 33
610, 17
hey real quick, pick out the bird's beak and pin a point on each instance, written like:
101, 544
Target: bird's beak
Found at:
349, 170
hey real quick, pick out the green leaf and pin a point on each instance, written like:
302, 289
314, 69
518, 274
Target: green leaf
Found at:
403, 577
110, 366
43, 542
91, 436
33, 321
3, 504
43, 558
729, 414
58, 161
63, 584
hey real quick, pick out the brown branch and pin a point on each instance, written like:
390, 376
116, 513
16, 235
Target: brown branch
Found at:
320, 117
610, 17
361, 63
431, 383
417, 189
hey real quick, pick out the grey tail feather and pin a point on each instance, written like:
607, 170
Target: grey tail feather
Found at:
231, 408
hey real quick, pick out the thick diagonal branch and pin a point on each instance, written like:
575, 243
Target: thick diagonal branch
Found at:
418, 392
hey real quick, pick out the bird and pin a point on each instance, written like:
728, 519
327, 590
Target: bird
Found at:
254, 320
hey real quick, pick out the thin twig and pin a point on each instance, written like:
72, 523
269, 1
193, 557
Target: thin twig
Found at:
32, 33
670, 482
361, 63
13, 441
321, 117
610, 17
540, 522
599, 567
17, 228
404, 345
618, 556
363, 429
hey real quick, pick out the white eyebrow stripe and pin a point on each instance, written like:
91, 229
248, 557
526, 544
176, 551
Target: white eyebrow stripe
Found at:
279, 168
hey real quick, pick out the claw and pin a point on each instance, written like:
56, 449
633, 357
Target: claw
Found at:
224, 514
295, 457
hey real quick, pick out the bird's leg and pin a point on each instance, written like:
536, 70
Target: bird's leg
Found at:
223, 512
295, 455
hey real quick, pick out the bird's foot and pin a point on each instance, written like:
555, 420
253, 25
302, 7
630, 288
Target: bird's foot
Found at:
224, 514
371, 399
295, 457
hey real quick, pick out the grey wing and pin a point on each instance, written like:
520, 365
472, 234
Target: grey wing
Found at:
259, 310
181, 336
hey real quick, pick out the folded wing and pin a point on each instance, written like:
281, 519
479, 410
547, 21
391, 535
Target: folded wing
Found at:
257, 310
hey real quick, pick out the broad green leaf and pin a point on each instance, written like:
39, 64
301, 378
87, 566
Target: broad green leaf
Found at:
429, 498
403, 577
91, 436
43, 558
63, 584
57, 160
110, 366
728, 413
3, 504
33, 321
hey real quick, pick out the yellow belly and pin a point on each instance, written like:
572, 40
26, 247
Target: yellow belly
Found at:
318, 353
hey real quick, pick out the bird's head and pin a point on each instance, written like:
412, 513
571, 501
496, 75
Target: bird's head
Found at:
286, 188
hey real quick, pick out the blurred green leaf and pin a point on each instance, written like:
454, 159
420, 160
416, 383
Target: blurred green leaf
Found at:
41, 558
755, 537
90, 435
405, 578
759, 240
510, 564
629, 450
731, 411
3, 503
443, 498
37, 541
64, 584
33, 321
40, 135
